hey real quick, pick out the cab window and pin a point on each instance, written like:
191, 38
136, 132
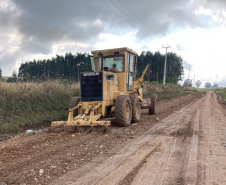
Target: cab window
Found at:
113, 61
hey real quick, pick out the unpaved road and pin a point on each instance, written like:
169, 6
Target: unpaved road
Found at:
186, 146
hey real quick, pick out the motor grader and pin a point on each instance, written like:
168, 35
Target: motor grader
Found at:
109, 90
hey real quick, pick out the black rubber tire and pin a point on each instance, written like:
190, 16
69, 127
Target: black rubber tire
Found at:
120, 110
153, 109
74, 102
135, 102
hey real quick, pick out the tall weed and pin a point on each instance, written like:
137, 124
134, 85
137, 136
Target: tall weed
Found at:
24, 104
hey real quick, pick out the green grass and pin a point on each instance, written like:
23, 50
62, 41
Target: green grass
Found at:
221, 91
207, 89
28, 104
167, 92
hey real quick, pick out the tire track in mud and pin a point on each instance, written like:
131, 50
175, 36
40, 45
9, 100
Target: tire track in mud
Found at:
191, 171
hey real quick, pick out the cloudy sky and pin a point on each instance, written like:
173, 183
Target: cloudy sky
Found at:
194, 29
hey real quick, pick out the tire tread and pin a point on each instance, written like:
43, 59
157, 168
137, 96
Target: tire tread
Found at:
120, 110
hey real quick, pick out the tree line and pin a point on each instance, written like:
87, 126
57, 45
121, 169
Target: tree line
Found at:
70, 65
156, 61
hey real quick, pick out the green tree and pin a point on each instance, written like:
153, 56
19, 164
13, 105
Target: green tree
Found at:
13, 78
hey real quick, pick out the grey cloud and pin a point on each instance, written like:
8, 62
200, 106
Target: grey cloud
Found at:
161, 16
216, 6
44, 23
211, 4
34, 46
8, 13
7, 62
185, 17
52, 20
5, 18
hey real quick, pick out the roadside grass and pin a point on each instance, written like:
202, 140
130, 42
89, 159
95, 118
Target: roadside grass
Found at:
208, 89
222, 92
167, 92
27, 104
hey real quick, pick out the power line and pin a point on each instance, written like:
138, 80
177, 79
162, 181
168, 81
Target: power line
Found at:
123, 18
115, 18
140, 20
131, 17
155, 37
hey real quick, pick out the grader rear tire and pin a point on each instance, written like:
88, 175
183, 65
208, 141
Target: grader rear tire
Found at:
74, 102
123, 110
153, 109
136, 108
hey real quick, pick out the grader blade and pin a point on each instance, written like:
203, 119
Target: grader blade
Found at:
80, 126
59, 128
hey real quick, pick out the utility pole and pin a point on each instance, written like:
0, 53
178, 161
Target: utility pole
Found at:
189, 72
164, 77
194, 80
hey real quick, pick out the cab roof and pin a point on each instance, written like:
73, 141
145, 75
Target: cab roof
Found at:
114, 50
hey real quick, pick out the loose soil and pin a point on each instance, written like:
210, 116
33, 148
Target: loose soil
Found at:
185, 145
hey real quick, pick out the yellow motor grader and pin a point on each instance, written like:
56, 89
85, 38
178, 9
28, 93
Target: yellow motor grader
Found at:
110, 89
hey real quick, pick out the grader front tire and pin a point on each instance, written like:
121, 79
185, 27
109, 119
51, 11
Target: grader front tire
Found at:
153, 109
74, 102
123, 110
136, 108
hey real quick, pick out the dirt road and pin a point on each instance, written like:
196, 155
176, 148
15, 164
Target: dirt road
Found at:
186, 146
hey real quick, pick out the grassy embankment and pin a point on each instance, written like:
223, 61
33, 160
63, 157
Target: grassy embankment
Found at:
167, 92
25, 105
208, 89
222, 92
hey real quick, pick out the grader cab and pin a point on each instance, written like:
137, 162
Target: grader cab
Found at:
110, 89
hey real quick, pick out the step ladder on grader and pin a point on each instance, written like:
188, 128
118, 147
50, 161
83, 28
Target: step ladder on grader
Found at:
109, 90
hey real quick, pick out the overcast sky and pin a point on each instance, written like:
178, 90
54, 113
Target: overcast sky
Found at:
194, 29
